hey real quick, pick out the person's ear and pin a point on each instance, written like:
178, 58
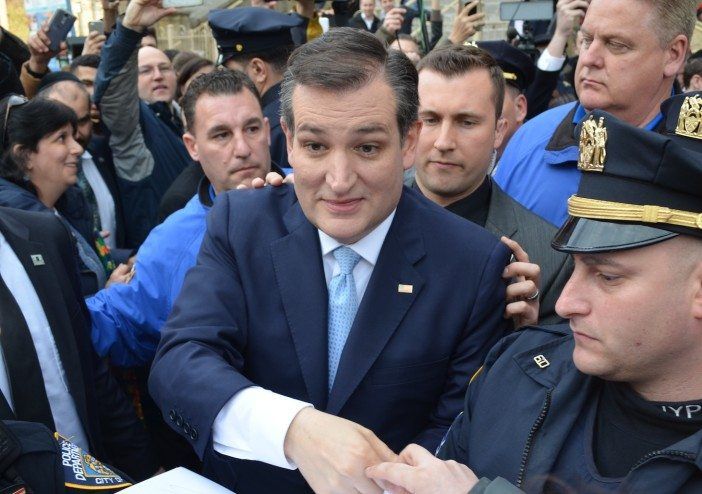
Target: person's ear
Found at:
409, 146
500, 131
522, 107
191, 146
695, 83
289, 139
21, 155
676, 53
258, 71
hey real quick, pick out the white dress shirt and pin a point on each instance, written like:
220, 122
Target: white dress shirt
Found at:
550, 63
368, 21
103, 197
63, 408
253, 424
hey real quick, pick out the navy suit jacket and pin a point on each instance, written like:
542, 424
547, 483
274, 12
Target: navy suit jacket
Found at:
253, 311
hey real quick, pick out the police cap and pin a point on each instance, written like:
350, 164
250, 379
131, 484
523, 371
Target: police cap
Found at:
637, 188
251, 30
682, 117
517, 66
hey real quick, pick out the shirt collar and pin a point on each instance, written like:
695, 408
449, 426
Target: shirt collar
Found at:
580, 113
368, 247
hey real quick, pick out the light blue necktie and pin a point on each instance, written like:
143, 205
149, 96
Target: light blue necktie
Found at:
343, 303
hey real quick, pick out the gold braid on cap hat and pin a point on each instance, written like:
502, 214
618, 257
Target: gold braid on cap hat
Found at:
592, 157
583, 207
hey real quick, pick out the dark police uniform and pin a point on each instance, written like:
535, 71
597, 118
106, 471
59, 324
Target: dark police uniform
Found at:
256, 31
35, 460
531, 417
520, 72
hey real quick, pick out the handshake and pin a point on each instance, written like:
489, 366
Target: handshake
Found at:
337, 456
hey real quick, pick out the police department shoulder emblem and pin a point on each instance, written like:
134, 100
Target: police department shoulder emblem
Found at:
83, 472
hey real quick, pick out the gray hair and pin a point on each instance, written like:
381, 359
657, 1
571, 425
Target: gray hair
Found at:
346, 59
672, 18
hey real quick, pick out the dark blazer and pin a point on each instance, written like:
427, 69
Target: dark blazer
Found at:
115, 434
358, 22
509, 218
270, 105
254, 311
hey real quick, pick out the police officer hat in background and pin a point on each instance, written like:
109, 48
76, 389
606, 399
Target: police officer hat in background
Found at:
251, 30
638, 187
517, 66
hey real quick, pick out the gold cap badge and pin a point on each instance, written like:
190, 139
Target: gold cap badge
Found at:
690, 118
239, 47
593, 141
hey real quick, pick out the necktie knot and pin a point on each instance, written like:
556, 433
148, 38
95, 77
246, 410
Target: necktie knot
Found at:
346, 258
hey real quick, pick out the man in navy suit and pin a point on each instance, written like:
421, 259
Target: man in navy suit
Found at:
326, 326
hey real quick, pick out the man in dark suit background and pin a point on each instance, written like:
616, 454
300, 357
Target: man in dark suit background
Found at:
365, 18
51, 374
461, 91
325, 326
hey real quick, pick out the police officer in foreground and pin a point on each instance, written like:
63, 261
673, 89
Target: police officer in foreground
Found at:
612, 403
259, 42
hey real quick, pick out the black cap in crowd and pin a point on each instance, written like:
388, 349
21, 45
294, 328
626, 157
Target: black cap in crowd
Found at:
251, 30
637, 188
517, 66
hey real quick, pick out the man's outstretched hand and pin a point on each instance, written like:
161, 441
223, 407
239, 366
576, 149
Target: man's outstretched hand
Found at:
417, 471
333, 453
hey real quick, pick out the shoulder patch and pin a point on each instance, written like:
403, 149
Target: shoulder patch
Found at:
82, 472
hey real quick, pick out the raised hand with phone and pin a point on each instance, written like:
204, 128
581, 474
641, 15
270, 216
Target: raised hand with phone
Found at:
48, 42
569, 16
141, 14
470, 20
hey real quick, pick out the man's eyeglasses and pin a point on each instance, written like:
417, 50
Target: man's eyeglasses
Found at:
148, 70
13, 101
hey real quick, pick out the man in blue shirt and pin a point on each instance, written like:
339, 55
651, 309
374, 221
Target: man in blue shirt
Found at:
629, 56
228, 134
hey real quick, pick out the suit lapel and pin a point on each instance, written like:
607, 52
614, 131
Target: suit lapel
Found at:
383, 306
501, 218
51, 294
297, 261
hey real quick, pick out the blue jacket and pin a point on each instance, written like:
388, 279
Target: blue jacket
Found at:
127, 318
254, 311
148, 155
518, 415
539, 166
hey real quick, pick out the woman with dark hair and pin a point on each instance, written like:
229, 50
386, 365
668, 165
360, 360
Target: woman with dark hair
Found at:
190, 70
38, 168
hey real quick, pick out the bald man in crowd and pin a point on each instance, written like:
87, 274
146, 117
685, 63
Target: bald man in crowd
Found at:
135, 88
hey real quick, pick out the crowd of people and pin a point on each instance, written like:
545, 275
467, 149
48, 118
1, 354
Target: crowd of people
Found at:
347, 258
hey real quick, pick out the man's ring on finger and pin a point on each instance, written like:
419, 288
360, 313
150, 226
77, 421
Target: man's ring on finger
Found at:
534, 296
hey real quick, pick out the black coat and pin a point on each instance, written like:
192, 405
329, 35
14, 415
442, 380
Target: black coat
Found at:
114, 433
358, 22
99, 149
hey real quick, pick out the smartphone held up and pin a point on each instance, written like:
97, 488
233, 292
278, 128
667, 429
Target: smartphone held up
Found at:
59, 26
